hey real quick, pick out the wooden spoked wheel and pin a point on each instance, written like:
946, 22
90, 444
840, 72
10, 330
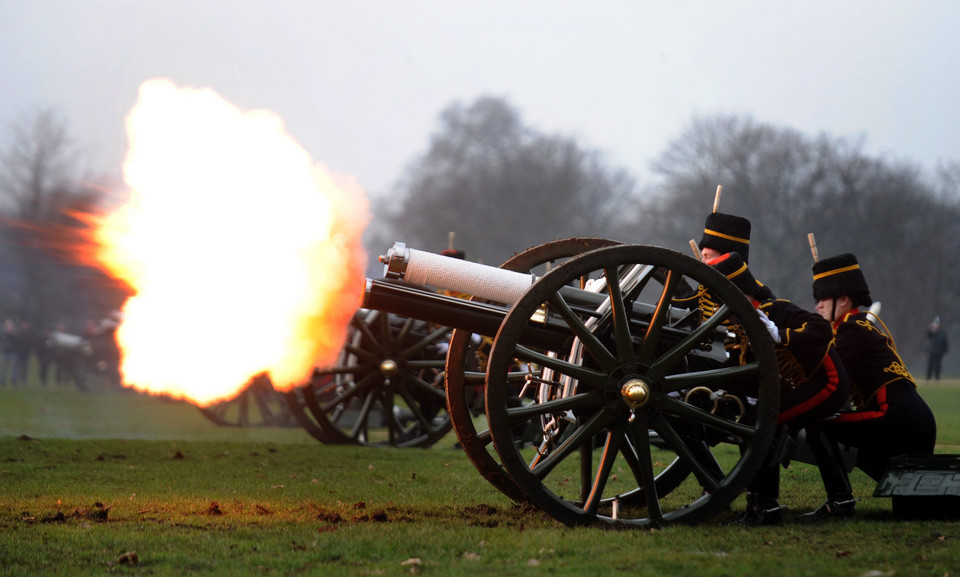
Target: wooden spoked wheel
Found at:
387, 388
613, 399
257, 405
466, 373
296, 399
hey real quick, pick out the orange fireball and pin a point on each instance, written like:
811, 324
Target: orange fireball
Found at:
245, 255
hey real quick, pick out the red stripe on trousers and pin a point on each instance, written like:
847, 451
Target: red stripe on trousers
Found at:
867, 415
832, 379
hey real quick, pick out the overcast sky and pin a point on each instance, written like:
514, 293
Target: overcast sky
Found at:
361, 83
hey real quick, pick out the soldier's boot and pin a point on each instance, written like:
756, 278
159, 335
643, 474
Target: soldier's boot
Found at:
763, 506
840, 502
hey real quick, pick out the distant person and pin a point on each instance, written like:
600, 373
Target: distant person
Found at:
107, 350
91, 330
63, 346
23, 350
937, 346
44, 352
8, 350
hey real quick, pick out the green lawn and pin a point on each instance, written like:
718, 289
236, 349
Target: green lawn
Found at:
87, 479
944, 399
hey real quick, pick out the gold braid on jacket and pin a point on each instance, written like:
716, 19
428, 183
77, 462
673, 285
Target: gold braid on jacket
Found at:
708, 307
791, 371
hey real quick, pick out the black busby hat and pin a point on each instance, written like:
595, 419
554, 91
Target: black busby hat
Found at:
732, 266
454, 252
840, 275
727, 233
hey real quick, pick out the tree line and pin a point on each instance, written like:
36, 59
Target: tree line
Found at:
503, 186
43, 185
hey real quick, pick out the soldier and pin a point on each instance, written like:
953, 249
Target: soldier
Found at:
813, 383
723, 233
454, 253
887, 417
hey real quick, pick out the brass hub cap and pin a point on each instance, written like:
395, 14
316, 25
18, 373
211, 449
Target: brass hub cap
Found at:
635, 393
389, 367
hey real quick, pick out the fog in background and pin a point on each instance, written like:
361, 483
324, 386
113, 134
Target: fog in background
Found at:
360, 83
650, 105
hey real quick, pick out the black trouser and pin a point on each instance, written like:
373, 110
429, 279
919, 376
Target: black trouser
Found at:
833, 472
765, 486
933, 366
800, 406
901, 424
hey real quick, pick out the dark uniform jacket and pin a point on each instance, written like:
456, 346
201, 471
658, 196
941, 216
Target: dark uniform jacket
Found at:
805, 340
813, 384
938, 344
872, 363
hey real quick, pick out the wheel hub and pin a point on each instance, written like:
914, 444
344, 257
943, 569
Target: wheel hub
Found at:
635, 393
389, 367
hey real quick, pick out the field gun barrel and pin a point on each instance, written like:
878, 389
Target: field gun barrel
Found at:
423, 268
409, 273
482, 318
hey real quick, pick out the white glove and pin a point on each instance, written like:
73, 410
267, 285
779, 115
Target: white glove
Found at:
771, 327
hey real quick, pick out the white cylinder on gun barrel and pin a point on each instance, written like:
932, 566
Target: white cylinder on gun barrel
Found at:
423, 268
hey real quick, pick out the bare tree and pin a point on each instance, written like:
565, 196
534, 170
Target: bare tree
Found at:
36, 162
769, 175
502, 186
40, 183
890, 215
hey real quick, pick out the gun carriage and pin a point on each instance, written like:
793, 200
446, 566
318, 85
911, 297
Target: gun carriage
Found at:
91, 362
629, 396
388, 386
368, 415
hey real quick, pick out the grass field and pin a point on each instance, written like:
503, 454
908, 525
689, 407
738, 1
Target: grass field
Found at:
90, 481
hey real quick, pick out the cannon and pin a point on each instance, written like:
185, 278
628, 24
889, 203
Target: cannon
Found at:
90, 361
627, 392
388, 386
